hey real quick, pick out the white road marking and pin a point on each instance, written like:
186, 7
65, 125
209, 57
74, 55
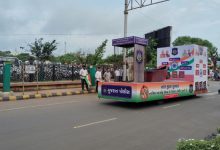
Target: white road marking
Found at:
37, 106
93, 123
171, 106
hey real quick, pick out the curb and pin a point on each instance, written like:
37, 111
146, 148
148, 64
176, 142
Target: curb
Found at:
44, 95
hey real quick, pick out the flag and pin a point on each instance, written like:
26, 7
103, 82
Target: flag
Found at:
88, 80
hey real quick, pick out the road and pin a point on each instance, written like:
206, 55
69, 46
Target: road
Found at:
213, 86
84, 122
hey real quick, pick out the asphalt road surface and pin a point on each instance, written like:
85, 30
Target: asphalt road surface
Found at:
84, 122
213, 86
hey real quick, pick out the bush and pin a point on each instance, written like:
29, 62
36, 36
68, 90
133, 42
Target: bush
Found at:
191, 144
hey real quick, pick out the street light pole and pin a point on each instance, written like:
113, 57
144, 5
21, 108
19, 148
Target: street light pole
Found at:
131, 5
65, 47
126, 18
125, 35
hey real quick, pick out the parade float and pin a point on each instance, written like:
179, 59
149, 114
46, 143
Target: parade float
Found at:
181, 71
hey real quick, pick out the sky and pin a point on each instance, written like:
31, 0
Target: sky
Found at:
85, 24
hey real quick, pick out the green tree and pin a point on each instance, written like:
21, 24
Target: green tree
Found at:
23, 56
6, 53
99, 53
151, 53
43, 50
92, 59
80, 57
55, 58
89, 59
212, 50
213, 55
68, 58
114, 59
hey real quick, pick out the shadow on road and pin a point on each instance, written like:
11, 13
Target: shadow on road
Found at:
150, 104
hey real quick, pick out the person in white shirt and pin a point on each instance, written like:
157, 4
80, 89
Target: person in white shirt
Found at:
98, 77
121, 74
83, 73
211, 74
107, 75
117, 75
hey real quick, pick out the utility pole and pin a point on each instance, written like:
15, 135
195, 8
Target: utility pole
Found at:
65, 47
126, 18
125, 35
131, 5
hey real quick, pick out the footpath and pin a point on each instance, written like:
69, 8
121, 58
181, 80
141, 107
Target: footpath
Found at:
46, 89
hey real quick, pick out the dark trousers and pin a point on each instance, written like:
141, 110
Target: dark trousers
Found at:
120, 78
31, 77
83, 81
117, 78
97, 85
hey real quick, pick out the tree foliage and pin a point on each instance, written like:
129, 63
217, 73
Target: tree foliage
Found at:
5, 53
80, 57
213, 55
91, 59
23, 56
68, 58
114, 59
43, 50
96, 59
151, 53
186, 40
212, 50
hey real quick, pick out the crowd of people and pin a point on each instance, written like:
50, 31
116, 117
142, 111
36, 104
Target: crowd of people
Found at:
214, 75
102, 74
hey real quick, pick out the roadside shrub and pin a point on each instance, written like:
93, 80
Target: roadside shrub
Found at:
191, 144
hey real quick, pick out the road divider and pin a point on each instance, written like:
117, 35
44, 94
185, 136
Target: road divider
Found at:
44, 95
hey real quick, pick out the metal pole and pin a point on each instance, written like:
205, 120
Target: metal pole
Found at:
130, 4
125, 35
37, 79
6, 77
65, 47
72, 73
53, 73
23, 78
126, 18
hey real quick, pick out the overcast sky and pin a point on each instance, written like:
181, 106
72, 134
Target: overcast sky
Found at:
84, 24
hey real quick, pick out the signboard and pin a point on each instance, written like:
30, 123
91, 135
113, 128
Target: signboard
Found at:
140, 92
123, 41
201, 73
30, 69
129, 41
155, 91
185, 63
119, 91
175, 51
179, 59
139, 56
141, 41
139, 63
